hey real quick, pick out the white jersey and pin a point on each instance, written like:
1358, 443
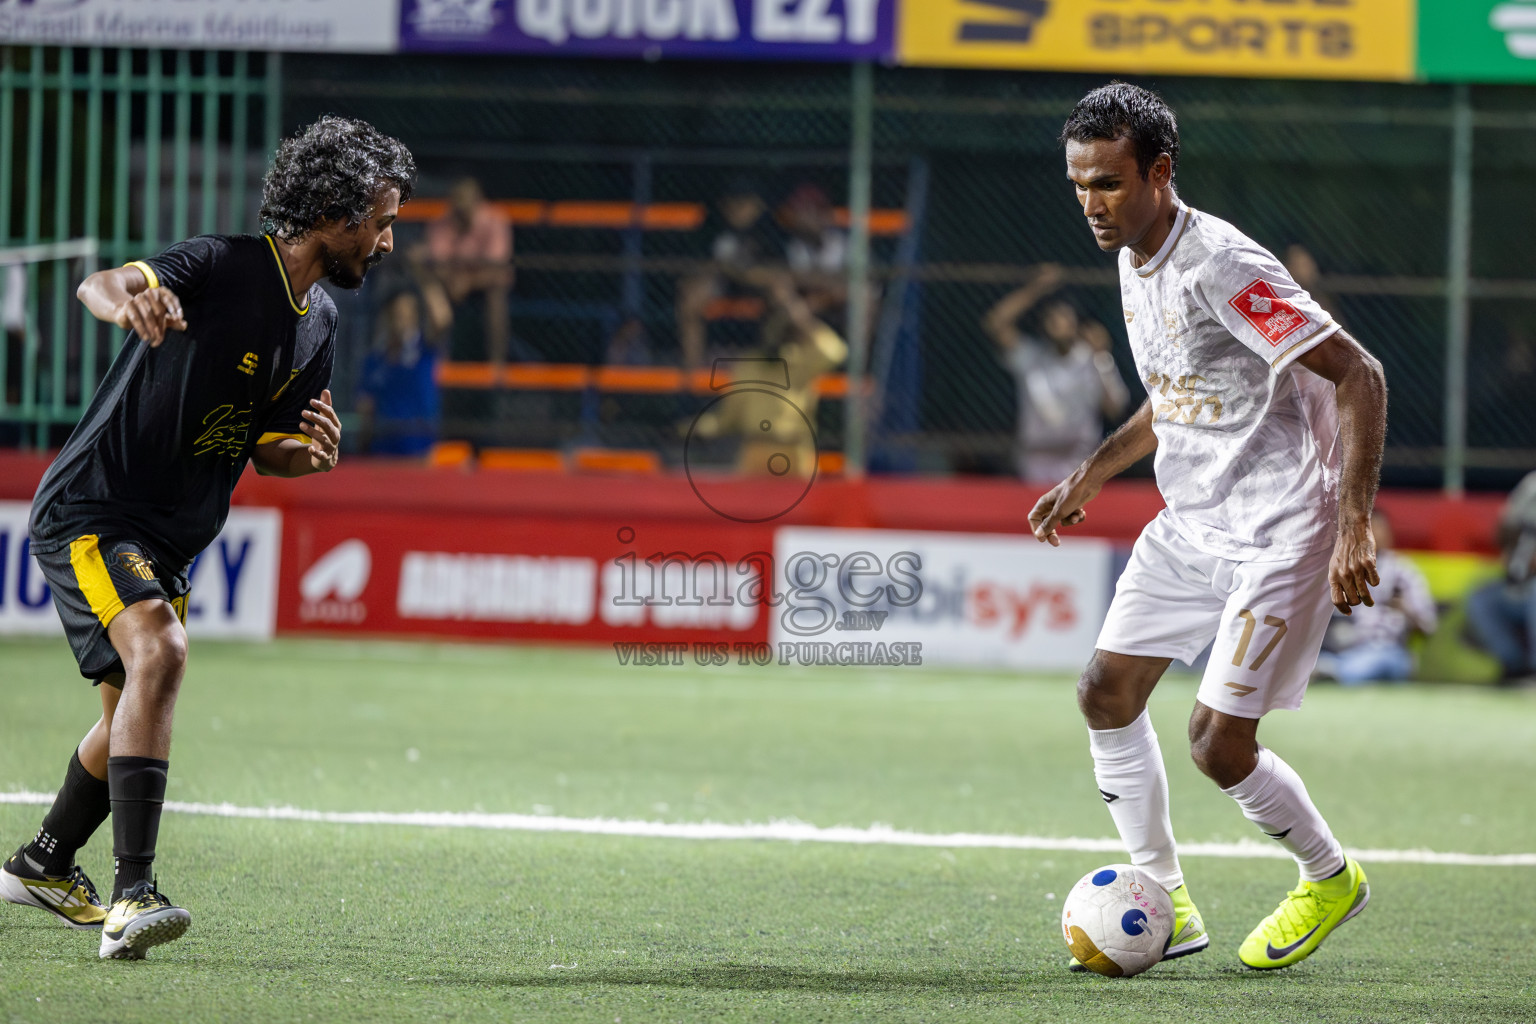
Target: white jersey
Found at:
1247, 442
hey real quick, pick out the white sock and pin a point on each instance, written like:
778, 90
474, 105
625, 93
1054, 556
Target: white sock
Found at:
1128, 765
1275, 799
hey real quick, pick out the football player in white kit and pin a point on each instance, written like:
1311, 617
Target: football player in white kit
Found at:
1267, 420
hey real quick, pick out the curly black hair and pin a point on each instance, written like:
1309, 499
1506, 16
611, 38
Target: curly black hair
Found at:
1120, 110
333, 169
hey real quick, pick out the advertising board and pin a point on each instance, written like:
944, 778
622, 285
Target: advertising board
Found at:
722, 29
1359, 39
965, 599
234, 582
503, 577
356, 26
1478, 40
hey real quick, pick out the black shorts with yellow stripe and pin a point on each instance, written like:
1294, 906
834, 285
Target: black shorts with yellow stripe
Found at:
93, 580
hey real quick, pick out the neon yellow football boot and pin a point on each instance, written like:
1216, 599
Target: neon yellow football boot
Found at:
72, 899
1188, 926
1308, 915
1188, 930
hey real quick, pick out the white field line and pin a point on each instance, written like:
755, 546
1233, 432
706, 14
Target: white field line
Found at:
784, 831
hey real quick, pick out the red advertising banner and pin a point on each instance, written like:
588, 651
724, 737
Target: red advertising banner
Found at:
500, 577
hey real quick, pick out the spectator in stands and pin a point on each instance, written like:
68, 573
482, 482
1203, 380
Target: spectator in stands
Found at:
776, 428
628, 345
1501, 616
816, 251
398, 397
1371, 643
469, 251
737, 254
1067, 380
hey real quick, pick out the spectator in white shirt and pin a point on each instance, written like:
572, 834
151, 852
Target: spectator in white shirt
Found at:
1067, 379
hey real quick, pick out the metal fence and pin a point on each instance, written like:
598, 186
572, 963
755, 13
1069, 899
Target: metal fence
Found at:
105, 156
1382, 184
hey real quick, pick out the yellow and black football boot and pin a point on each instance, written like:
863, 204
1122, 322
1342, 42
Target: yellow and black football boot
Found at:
71, 898
141, 918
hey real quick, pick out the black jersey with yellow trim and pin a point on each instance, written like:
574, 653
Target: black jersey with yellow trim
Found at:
170, 429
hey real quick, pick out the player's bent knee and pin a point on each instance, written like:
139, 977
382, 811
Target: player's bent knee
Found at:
1225, 755
1103, 705
156, 657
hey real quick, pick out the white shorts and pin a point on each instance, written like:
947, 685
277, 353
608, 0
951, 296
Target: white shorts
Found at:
1267, 619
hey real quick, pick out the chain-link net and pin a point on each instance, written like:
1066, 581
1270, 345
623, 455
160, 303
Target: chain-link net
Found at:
615, 174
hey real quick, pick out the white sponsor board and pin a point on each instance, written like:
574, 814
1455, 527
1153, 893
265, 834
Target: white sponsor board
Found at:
234, 582
969, 599
357, 26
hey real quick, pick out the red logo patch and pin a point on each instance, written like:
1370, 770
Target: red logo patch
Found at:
1269, 314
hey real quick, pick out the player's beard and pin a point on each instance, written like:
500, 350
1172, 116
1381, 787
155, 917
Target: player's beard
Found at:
340, 273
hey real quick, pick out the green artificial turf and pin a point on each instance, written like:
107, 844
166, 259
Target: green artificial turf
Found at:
300, 921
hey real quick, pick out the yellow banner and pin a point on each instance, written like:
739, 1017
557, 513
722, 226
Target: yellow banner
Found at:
1362, 39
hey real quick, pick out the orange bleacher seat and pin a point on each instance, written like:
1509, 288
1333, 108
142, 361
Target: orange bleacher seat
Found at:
523, 460
607, 379
450, 454
746, 307
638, 379
632, 461
620, 215
830, 463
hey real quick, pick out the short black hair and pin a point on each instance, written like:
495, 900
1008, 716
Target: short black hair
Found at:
1120, 110
331, 170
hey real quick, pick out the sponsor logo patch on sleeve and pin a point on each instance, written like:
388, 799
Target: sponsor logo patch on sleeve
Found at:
1269, 314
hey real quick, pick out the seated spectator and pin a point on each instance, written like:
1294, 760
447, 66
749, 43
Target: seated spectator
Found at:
1501, 616
1371, 643
1067, 380
397, 395
816, 251
469, 252
629, 345
737, 254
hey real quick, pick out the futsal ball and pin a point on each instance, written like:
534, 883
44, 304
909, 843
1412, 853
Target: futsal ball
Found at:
1117, 921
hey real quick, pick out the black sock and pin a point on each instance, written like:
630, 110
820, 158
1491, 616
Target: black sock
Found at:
138, 791
76, 814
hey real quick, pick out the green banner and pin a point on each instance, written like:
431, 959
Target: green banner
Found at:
1477, 40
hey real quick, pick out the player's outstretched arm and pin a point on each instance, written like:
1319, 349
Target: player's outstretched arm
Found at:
1062, 505
289, 457
1360, 389
122, 296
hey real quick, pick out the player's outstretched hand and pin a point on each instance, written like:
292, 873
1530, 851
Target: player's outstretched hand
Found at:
151, 313
324, 429
1352, 571
1062, 505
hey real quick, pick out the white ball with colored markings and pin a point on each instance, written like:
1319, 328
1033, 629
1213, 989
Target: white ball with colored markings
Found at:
1117, 921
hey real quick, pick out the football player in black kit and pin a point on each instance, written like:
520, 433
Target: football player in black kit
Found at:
228, 360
